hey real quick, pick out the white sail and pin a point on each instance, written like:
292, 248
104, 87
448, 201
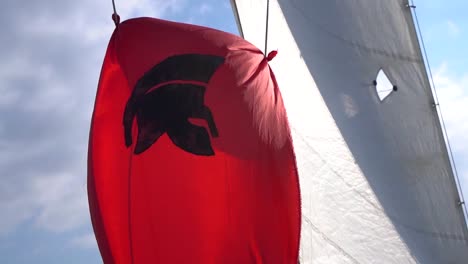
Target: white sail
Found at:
376, 181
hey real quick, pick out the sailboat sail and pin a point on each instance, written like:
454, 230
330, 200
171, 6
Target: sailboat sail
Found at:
376, 182
190, 156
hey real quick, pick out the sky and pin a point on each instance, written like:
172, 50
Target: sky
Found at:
51, 52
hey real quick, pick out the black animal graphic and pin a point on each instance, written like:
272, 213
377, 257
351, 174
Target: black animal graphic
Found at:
167, 108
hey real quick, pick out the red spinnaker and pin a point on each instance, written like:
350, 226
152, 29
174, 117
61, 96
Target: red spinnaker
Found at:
190, 154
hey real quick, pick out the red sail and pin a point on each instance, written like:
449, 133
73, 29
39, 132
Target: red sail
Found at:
190, 154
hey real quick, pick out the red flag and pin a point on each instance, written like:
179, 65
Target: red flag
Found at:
190, 155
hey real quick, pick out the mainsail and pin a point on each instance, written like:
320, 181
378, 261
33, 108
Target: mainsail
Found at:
376, 181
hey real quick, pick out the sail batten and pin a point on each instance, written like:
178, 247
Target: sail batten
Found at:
376, 180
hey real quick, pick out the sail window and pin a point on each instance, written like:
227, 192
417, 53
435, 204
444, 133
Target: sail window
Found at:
383, 85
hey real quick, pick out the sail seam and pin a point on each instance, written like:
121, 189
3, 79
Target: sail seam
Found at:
325, 237
395, 220
351, 43
266, 26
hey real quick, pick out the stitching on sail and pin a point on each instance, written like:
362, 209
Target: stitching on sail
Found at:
394, 219
335, 245
351, 43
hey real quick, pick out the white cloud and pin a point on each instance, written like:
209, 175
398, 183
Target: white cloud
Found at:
15, 212
227, 4
84, 241
453, 28
453, 97
205, 8
63, 202
48, 78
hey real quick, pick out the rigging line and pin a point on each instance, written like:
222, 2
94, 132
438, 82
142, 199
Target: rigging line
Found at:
266, 26
115, 16
462, 204
113, 6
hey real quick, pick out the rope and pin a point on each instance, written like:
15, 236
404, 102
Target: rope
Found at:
266, 26
113, 6
115, 16
452, 160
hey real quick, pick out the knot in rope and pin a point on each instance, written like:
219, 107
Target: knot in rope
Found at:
116, 19
271, 55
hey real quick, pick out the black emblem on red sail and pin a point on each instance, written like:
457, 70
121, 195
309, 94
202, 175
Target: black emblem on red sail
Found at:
166, 109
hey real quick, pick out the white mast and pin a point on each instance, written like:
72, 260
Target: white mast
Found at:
376, 181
